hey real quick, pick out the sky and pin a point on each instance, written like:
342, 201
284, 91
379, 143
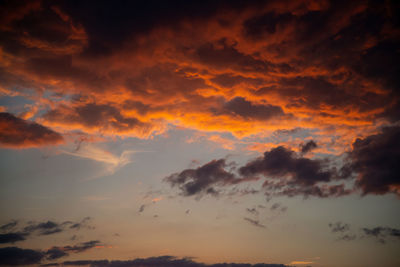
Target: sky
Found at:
200, 133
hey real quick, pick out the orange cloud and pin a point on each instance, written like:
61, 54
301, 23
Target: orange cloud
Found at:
249, 77
19, 133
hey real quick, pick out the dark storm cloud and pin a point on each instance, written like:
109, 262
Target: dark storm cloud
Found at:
241, 107
229, 80
16, 132
162, 261
319, 59
108, 32
10, 256
266, 24
310, 145
375, 159
204, 178
223, 55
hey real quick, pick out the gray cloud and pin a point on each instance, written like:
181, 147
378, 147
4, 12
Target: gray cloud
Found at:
161, 261
374, 160
382, 234
339, 227
286, 173
239, 106
203, 179
18, 256
307, 147
20, 133
12, 237
254, 222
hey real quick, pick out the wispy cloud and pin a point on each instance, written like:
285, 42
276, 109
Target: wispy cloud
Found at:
112, 162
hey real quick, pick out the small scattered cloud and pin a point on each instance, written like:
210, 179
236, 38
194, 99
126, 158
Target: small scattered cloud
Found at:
254, 222
11, 233
380, 234
307, 147
278, 207
339, 227
252, 211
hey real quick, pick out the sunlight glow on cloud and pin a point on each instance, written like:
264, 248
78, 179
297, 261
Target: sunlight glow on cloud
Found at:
110, 161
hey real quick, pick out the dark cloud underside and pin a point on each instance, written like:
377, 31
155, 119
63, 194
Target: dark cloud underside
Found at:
16, 132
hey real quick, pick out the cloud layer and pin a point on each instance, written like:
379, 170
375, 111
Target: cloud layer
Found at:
309, 64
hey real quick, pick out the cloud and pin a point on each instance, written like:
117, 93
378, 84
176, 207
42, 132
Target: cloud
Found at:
12, 237
85, 223
11, 233
278, 207
339, 227
58, 252
8, 226
254, 222
203, 179
290, 174
295, 65
98, 117
18, 256
310, 145
45, 228
141, 209
374, 160
280, 162
161, 261
253, 211
19, 133
382, 234
285, 172
111, 161
55, 253
247, 110
10, 256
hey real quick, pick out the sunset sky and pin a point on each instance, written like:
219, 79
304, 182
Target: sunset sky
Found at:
200, 133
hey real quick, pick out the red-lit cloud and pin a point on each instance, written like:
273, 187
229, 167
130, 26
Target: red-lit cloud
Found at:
19, 133
277, 66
